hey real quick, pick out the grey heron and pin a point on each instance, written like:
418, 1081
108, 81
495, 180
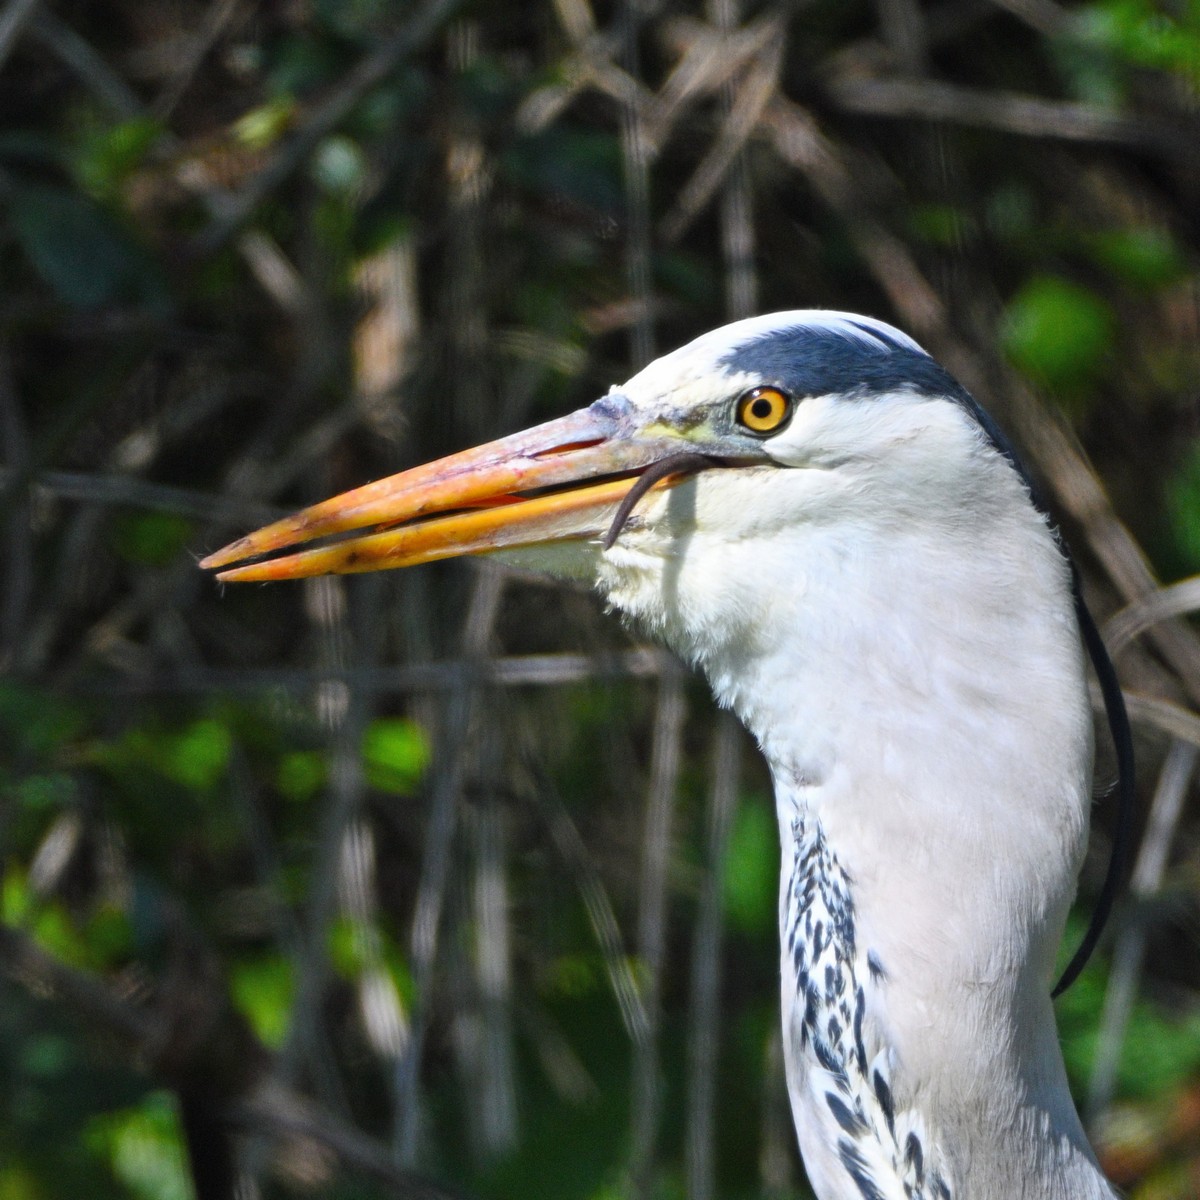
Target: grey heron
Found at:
811, 510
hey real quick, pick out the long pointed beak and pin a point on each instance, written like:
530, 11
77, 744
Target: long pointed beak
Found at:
561, 480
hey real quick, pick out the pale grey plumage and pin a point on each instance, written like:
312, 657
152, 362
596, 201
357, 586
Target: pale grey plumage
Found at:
893, 619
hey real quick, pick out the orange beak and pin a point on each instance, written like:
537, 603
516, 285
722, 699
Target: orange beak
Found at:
559, 481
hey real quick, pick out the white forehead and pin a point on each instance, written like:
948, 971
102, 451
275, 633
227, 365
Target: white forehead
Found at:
700, 366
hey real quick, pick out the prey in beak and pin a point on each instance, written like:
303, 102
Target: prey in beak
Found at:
575, 478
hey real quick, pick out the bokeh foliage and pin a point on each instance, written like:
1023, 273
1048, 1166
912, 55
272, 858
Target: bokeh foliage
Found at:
376, 855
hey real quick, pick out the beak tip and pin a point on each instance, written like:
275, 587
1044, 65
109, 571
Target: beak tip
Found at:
219, 558
250, 574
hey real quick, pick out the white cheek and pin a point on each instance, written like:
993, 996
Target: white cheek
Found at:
814, 421
914, 438
693, 572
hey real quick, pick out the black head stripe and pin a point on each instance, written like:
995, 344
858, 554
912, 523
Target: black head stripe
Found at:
858, 361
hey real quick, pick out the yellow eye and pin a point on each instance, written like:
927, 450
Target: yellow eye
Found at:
764, 409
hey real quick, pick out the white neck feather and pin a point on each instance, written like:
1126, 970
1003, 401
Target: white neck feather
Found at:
917, 686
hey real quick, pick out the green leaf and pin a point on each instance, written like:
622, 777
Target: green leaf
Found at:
345, 946
79, 250
1183, 505
144, 1148
941, 224
109, 934
19, 1183
1146, 34
1141, 256
572, 975
46, 1055
36, 721
54, 931
108, 156
752, 869
301, 774
198, 757
356, 946
1057, 331
353, 18
395, 754
44, 793
264, 992
150, 538
262, 127
15, 900
46, 921
1161, 1049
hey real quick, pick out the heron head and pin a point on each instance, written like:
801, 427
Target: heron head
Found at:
776, 419
677, 488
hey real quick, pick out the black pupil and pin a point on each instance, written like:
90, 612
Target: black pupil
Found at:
762, 408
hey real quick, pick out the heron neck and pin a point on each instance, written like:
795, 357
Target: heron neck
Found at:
914, 677
932, 798
906, 1080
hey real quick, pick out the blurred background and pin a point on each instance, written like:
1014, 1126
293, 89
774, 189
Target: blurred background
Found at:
439, 883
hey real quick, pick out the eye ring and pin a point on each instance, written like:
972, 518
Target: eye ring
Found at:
764, 410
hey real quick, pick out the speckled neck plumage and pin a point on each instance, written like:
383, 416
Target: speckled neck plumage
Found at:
825, 1013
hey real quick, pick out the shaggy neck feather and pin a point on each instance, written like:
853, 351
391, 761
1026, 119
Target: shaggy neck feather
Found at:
930, 855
